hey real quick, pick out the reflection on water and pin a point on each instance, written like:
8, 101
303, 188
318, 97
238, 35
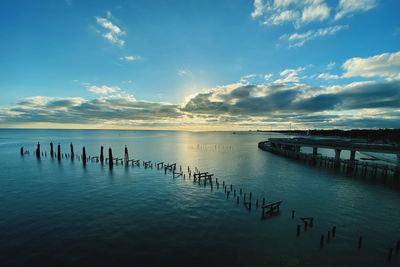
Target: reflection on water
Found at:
59, 212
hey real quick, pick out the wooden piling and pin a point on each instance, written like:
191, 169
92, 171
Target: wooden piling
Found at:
257, 203
328, 236
231, 187
240, 191
360, 242
38, 150
234, 193
101, 154
59, 152
250, 197
72, 151
321, 241
110, 158
292, 214
263, 203
333, 231
22, 151
126, 158
84, 156
298, 229
51, 149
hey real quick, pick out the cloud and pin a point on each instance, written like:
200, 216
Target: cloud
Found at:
268, 76
331, 65
316, 12
327, 76
290, 75
299, 39
298, 12
113, 33
258, 8
349, 7
184, 72
128, 58
104, 90
385, 65
362, 104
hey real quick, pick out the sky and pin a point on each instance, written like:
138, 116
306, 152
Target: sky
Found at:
200, 64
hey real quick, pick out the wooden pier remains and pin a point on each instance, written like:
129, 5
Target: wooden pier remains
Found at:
271, 208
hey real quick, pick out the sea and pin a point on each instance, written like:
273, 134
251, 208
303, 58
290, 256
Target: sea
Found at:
62, 213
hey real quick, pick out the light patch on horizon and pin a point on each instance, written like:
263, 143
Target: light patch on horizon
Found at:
113, 33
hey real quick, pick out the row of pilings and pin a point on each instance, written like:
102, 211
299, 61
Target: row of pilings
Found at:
239, 196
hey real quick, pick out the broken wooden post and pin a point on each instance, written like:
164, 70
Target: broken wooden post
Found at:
38, 150
101, 154
231, 187
360, 242
110, 158
321, 241
328, 236
250, 197
234, 193
84, 156
51, 149
263, 203
22, 150
59, 152
126, 156
257, 203
72, 151
333, 231
292, 214
298, 229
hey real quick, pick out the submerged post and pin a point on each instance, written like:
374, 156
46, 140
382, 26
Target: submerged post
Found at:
72, 152
22, 150
110, 158
38, 150
84, 156
51, 149
101, 154
59, 152
126, 156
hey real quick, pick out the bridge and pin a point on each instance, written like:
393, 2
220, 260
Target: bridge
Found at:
294, 144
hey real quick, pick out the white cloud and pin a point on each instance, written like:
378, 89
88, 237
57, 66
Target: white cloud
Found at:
299, 39
113, 33
385, 65
268, 76
327, 76
184, 72
128, 58
104, 90
258, 8
299, 12
348, 7
330, 65
290, 75
315, 13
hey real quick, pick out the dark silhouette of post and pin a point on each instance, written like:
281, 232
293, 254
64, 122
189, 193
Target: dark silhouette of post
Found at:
72, 152
51, 149
22, 150
101, 154
110, 158
126, 156
38, 150
84, 156
59, 152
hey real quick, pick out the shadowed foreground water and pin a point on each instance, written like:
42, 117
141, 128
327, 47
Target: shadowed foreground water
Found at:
54, 213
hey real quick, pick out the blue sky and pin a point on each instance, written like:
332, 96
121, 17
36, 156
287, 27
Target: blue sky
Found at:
195, 65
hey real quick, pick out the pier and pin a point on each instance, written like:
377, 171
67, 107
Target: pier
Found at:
291, 147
